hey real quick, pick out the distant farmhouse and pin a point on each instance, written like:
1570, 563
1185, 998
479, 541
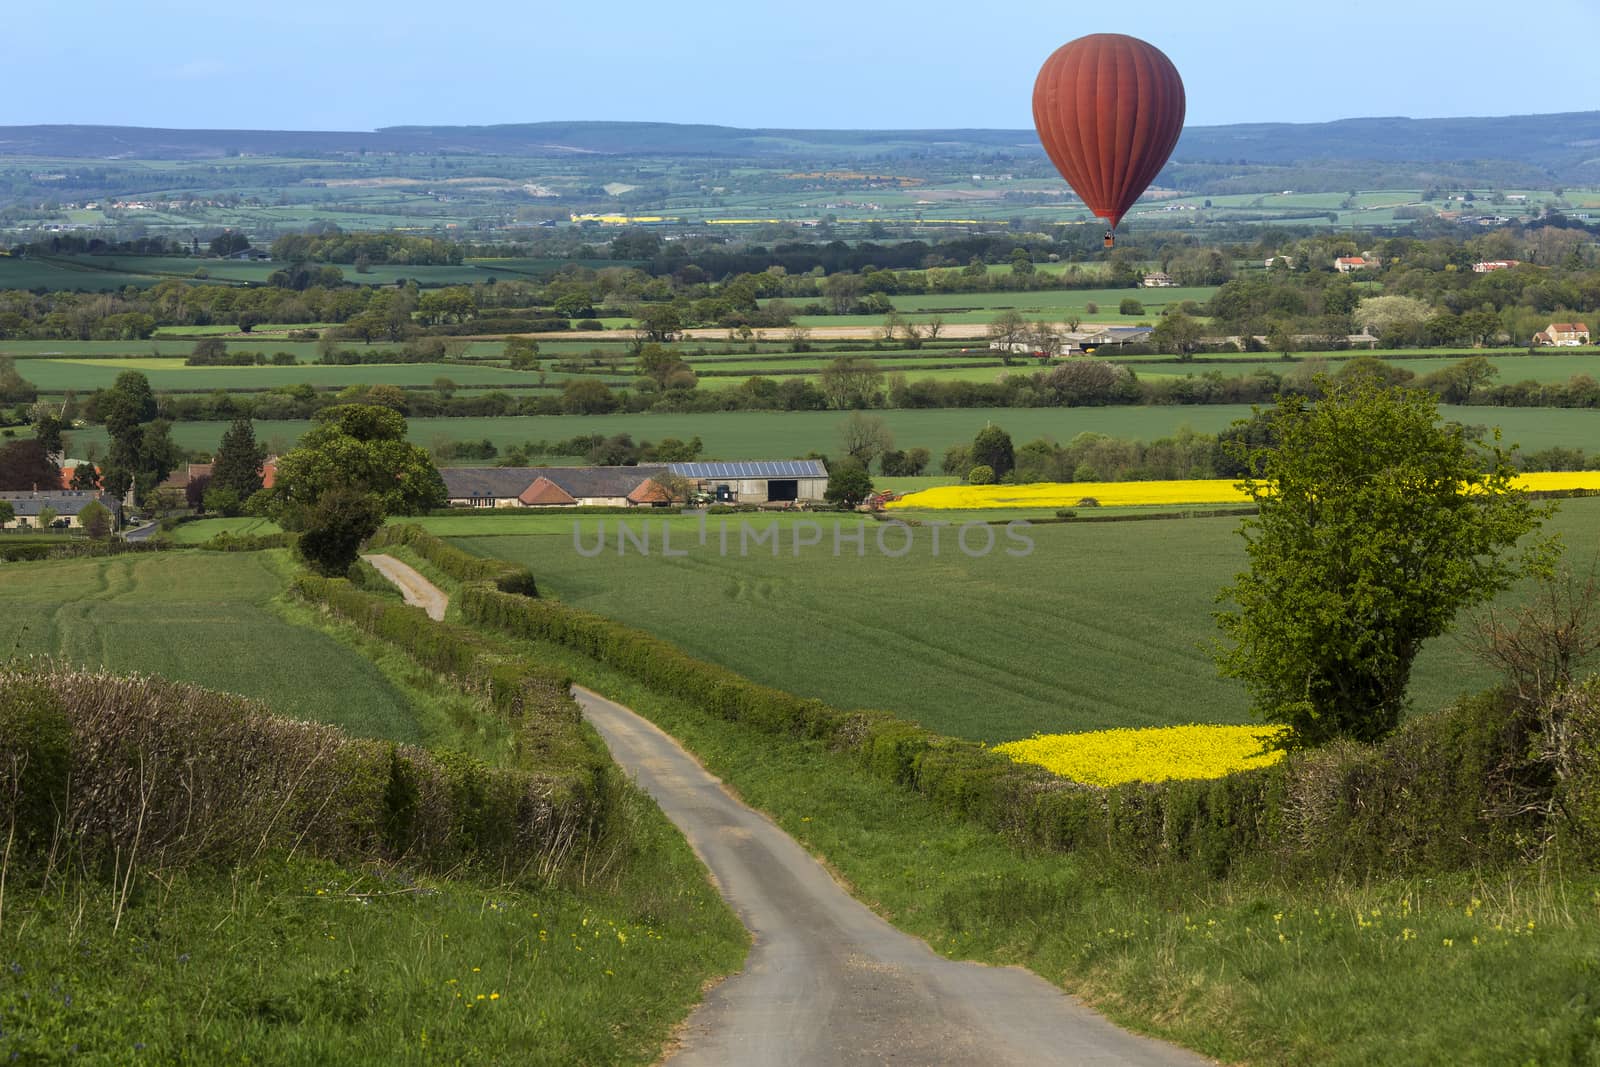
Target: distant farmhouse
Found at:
1079, 342
67, 504
1158, 280
758, 482
1563, 335
1489, 265
1346, 264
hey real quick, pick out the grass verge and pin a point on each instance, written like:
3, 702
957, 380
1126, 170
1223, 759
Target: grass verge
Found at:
288, 960
1468, 968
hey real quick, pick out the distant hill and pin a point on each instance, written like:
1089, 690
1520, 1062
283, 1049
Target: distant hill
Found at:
1562, 147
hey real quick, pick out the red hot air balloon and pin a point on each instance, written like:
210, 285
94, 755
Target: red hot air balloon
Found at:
1109, 109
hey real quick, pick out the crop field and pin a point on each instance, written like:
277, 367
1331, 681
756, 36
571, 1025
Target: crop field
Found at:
784, 435
1052, 304
1516, 367
1103, 625
18, 273
201, 617
168, 374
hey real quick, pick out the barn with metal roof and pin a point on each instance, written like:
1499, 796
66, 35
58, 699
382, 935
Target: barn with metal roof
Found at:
758, 481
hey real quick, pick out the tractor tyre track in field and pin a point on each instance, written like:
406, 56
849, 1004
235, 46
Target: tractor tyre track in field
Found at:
827, 981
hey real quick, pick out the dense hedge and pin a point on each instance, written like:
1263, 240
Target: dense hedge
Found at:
227, 541
117, 770
1447, 790
78, 548
535, 700
462, 566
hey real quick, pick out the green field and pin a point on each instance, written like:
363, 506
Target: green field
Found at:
784, 435
168, 374
1052, 304
201, 617
1103, 625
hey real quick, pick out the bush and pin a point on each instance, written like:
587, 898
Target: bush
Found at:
196, 775
35, 758
982, 474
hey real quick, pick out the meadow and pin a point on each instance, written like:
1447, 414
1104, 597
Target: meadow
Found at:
169, 374
1102, 625
737, 435
208, 618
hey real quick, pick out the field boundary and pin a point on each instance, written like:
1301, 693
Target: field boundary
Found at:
1434, 795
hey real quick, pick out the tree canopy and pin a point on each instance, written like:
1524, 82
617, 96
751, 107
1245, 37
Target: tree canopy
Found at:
25, 465
1377, 525
360, 447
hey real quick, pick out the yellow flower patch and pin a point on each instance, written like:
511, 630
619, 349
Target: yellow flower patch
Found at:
1134, 494
1112, 757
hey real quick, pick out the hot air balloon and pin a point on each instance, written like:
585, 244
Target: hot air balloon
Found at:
1109, 109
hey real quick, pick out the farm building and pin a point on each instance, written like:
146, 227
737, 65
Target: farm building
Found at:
543, 487
1563, 335
66, 503
757, 482
1346, 264
1157, 280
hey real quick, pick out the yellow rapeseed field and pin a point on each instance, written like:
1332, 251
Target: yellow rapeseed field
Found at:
1112, 757
1128, 494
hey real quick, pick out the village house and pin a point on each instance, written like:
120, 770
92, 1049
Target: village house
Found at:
1346, 264
66, 504
1495, 264
1563, 335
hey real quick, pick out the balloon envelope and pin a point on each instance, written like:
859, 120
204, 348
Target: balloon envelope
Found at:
1109, 109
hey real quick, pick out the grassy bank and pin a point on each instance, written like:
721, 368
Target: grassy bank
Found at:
1463, 968
287, 960
238, 888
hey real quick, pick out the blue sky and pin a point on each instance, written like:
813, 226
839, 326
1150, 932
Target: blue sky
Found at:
361, 64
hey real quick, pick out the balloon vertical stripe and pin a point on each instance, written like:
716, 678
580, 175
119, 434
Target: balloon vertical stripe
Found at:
1109, 110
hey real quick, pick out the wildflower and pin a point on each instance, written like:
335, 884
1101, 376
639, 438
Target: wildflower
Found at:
1449, 942
494, 996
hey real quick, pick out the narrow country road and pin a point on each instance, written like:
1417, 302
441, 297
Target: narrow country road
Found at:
827, 982
416, 589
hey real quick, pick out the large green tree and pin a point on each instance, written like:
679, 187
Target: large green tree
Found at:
126, 408
361, 447
239, 461
1377, 525
992, 448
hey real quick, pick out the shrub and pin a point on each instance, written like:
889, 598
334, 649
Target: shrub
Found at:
982, 474
196, 775
35, 746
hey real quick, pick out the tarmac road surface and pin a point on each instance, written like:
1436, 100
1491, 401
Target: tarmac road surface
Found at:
416, 589
827, 981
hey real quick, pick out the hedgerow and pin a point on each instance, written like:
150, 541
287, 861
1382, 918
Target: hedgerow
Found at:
1447, 790
125, 769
